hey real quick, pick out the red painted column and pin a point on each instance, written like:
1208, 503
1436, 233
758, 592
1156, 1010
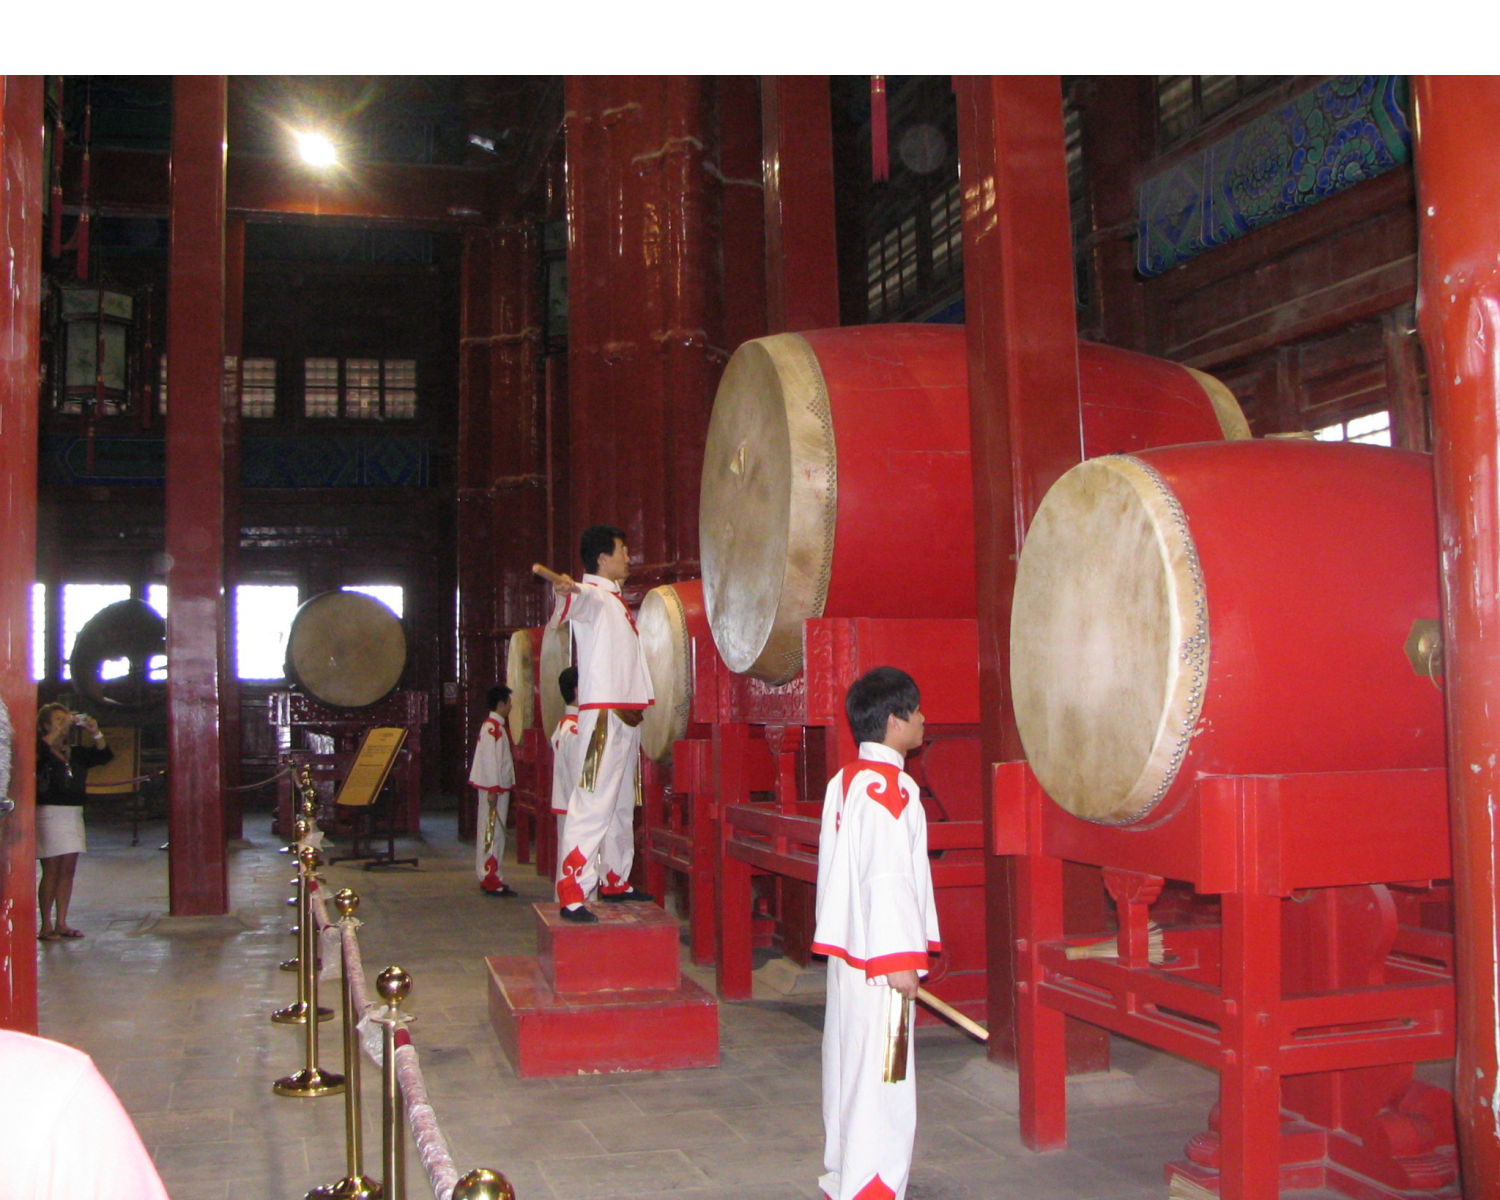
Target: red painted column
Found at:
802, 271
234, 349
1458, 194
1024, 418
644, 314
743, 215
20, 305
195, 497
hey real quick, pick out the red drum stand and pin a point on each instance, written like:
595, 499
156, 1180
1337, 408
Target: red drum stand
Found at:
1313, 997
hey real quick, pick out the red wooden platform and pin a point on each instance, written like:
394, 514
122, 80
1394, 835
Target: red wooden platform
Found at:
605, 997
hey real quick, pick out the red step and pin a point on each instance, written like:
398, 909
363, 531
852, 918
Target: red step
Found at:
603, 997
582, 1033
634, 945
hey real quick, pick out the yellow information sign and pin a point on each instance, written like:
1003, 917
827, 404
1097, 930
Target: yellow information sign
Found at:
372, 765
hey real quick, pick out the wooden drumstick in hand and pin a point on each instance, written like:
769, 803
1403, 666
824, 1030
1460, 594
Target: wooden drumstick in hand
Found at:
563, 583
943, 1009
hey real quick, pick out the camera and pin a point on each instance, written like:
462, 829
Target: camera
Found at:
80, 718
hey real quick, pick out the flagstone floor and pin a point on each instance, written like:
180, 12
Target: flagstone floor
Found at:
176, 1013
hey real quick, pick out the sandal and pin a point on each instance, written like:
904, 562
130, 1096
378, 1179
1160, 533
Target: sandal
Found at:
48, 935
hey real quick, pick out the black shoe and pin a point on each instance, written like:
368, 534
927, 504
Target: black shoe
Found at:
506, 890
621, 897
579, 916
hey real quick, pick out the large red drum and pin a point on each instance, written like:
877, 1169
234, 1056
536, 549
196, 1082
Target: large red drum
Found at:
836, 478
673, 627
1233, 608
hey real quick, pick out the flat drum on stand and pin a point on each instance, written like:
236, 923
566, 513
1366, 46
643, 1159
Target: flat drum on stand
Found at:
556, 656
346, 649
520, 677
672, 626
836, 477
1233, 608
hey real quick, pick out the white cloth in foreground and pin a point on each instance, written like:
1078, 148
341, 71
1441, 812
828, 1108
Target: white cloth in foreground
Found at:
567, 757
63, 1132
875, 915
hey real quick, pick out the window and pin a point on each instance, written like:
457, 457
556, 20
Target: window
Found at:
388, 594
1187, 103
258, 387
1373, 429
38, 632
156, 665
892, 269
262, 619
947, 232
80, 602
360, 389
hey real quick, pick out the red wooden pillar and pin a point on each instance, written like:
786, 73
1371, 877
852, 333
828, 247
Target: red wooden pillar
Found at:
644, 314
234, 349
195, 497
1024, 418
743, 216
1458, 192
802, 277
20, 304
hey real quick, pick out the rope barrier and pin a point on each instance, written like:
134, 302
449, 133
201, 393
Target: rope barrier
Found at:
338, 941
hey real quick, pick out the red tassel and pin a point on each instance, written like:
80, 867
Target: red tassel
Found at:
880, 138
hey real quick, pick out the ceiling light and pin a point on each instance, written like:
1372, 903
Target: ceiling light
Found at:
317, 149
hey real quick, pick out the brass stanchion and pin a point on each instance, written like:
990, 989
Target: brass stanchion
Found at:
312, 1080
483, 1184
296, 1014
300, 830
394, 985
354, 1185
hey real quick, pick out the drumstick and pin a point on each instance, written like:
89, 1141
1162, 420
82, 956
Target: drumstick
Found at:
944, 1009
549, 575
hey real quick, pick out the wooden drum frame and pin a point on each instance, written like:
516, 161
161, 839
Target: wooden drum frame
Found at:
1228, 609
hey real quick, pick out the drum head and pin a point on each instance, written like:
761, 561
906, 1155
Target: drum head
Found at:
557, 656
768, 505
520, 677
1109, 640
668, 648
346, 649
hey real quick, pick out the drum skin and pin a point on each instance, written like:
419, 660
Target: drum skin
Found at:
833, 455
672, 624
346, 649
1233, 608
520, 677
556, 656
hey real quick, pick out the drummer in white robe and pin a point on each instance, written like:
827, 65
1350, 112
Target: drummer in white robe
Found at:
566, 753
877, 923
493, 776
614, 690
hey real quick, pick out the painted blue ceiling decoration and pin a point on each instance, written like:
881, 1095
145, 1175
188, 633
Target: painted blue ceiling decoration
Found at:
1340, 133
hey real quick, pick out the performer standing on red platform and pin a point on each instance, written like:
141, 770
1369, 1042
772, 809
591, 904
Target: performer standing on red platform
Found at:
877, 922
493, 775
566, 753
614, 690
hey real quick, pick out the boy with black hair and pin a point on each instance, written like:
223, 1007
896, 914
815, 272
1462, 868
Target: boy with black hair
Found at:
565, 755
493, 775
614, 690
877, 923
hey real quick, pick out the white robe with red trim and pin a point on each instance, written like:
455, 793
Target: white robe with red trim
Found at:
598, 842
875, 915
493, 774
567, 758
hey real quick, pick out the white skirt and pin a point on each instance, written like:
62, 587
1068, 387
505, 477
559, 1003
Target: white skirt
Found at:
59, 830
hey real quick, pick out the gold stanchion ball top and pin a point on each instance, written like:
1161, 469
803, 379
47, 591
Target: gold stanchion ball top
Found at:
483, 1184
301, 827
393, 984
310, 857
346, 901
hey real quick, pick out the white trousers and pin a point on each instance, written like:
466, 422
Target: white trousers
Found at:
869, 1125
489, 843
598, 842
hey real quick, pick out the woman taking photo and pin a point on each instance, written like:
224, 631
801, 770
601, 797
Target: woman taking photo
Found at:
61, 781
